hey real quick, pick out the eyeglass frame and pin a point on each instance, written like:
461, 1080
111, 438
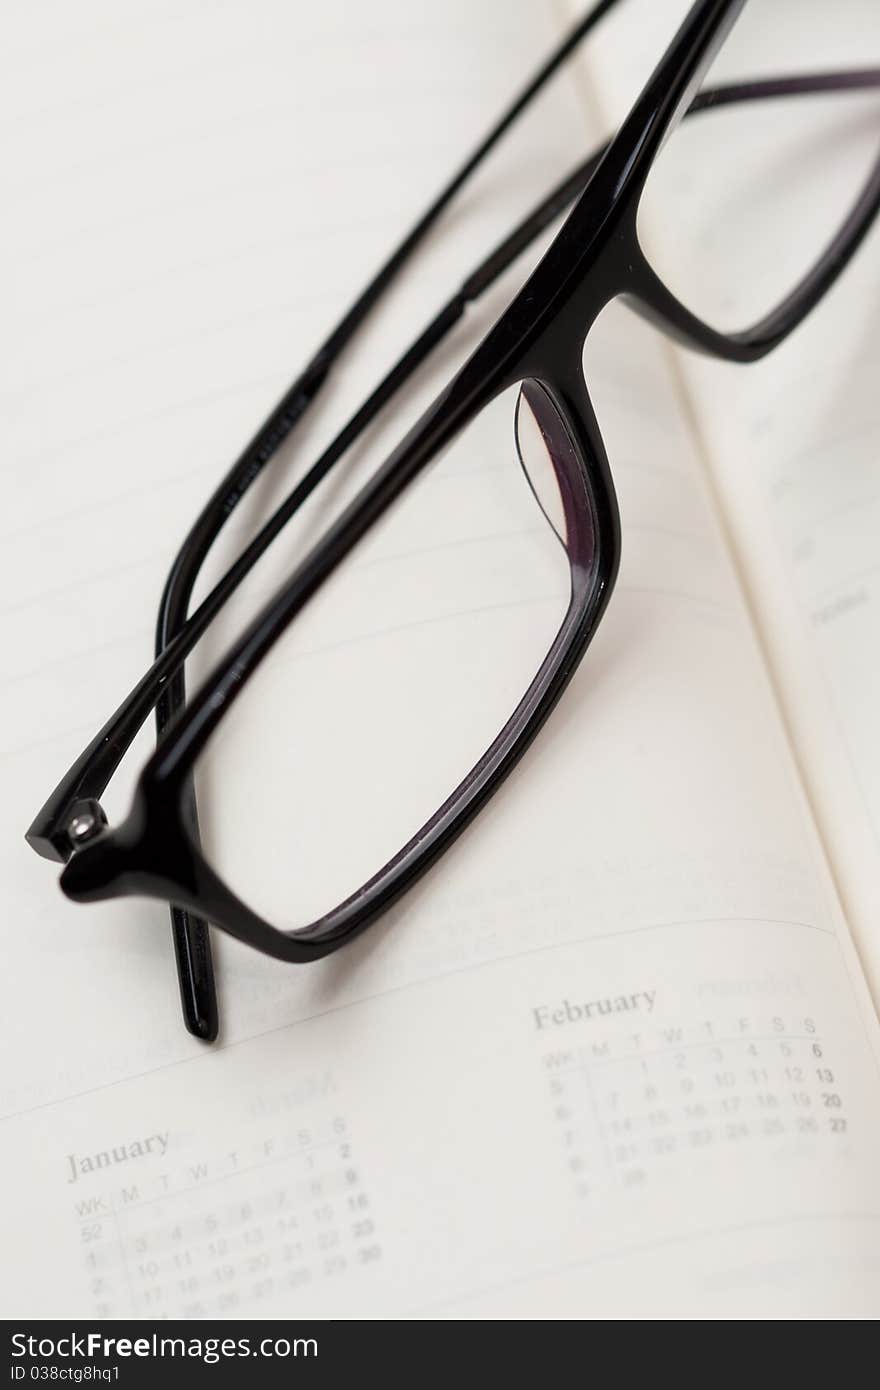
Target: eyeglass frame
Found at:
596, 257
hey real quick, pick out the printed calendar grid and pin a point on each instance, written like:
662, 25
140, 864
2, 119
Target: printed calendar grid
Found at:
192, 1250
622, 1107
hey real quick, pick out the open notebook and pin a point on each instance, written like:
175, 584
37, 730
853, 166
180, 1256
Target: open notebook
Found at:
617, 1052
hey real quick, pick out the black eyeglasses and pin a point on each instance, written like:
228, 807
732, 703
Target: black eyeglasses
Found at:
501, 578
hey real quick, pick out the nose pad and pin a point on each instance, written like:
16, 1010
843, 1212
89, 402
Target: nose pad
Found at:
542, 444
556, 474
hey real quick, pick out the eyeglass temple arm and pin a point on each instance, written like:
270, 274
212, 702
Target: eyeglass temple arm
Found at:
85, 781
190, 934
292, 406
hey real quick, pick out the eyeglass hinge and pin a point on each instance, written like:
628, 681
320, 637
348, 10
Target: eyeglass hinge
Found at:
87, 819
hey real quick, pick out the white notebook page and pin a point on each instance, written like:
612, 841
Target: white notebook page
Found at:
614, 1054
793, 441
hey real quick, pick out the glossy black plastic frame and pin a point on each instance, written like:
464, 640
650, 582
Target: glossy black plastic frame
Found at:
596, 257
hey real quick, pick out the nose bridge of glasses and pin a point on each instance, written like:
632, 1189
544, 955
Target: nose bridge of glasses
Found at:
599, 242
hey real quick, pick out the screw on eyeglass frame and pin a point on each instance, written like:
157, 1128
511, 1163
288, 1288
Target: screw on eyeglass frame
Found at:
98, 762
